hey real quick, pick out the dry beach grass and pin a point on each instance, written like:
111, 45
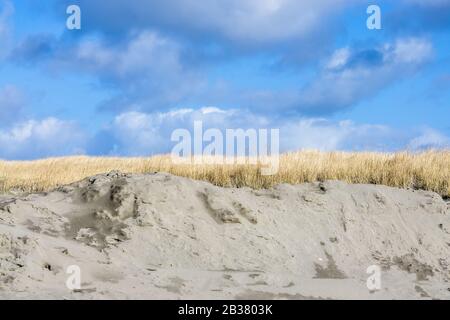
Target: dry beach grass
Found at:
427, 170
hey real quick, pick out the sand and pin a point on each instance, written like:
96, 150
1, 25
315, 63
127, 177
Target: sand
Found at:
157, 236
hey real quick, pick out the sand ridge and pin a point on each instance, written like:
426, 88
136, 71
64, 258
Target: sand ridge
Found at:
160, 236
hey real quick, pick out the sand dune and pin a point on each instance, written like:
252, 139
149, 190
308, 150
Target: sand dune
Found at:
159, 236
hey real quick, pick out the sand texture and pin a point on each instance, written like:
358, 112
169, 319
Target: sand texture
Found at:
158, 236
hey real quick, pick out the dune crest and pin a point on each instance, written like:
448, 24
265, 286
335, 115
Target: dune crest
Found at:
162, 236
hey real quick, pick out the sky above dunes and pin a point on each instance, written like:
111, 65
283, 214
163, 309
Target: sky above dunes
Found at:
139, 69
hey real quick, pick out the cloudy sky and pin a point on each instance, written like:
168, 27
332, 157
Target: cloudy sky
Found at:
139, 69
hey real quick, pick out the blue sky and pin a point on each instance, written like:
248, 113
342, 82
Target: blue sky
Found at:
139, 69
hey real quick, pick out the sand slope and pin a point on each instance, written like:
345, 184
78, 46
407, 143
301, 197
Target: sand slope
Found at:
160, 236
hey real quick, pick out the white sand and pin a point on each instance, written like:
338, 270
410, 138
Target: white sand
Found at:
159, 236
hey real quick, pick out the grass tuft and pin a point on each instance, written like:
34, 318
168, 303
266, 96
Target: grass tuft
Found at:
428, 170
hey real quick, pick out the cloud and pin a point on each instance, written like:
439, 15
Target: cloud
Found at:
11, 103
326, 135
151, 66
41, 138
218, 30
151, 74
351, 75
145, 69
145, 134
348, 76
245, 22
430, 139
148, 64
138, 134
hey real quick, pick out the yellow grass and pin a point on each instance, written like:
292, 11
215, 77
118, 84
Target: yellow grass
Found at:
428, 170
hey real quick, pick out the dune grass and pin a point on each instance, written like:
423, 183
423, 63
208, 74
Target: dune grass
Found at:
428, 170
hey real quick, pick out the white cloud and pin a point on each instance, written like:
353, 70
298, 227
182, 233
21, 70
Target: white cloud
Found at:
250, 21
429, 139
147, 68
266, 20
41, 138
136, 133
144, 134
338, 59
325, 135
145, 52
351, 75
409, 51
